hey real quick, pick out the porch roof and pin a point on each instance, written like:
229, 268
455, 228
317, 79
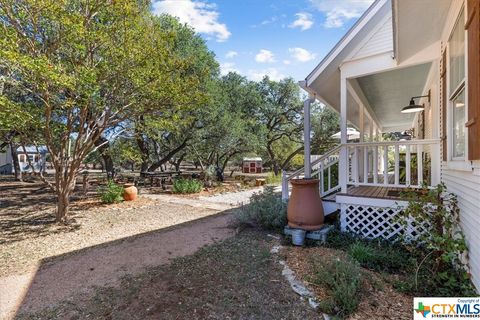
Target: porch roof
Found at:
383, 81
388, 92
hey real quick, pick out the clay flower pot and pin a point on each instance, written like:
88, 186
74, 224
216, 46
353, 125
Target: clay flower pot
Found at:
129, 192
305, 209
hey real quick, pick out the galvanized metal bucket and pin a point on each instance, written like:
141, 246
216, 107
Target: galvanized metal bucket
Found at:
298, 237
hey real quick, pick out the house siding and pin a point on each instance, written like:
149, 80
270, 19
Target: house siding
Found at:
466, 186
381, 41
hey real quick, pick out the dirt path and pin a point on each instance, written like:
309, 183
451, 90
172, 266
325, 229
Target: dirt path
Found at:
238, 278
59, 277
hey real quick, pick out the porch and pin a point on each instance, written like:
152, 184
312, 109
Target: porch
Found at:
397, 147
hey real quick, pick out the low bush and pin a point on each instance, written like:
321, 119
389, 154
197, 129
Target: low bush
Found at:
265, 210
273, 179
441, 263
381, 256
417, 268
342, 278
183, 185
111, 192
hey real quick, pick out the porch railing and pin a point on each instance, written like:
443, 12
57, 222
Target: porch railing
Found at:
325, 168
393, 163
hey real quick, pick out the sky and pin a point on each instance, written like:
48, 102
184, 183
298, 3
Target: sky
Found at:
278, 38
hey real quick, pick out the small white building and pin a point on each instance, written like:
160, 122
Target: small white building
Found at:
36, 155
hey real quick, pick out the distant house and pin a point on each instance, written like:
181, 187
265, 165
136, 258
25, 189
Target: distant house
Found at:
36, 155
252, 165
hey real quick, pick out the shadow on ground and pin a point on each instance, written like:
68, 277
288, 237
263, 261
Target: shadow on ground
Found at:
27, 211
78, 271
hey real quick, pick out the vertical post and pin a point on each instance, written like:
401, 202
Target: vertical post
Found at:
284, 186
435, 164
306, 137
408, 162
361, 151
365, 164
322, 178
397, 165
355, 166
343, 161
420, 164
385, 164
375, 164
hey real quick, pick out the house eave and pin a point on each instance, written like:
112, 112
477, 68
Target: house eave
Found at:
344, 41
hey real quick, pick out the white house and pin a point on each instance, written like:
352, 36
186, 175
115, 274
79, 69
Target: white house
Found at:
37, 158
399, 53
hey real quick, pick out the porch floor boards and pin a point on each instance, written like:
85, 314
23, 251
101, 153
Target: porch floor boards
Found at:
390, 193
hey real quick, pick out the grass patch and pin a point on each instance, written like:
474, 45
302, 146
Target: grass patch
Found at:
273, 179
182, 185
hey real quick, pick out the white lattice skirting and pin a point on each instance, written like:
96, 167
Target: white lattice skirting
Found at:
379, 222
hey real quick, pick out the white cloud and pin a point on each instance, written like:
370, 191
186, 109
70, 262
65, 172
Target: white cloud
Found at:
301, 54
338, 12
269, 21
304, 21
231, 54
227, 67
272, 73
200, 15
286, 61
264, 56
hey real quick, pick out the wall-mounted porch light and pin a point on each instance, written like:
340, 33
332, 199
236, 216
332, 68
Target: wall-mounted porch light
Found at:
412, 107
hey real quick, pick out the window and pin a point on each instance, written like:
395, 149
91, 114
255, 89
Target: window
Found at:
458, 115
457, 88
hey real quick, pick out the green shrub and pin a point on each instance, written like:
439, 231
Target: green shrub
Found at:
441, 267
111, 192
182, 185
342, 278
381, 256
418, 269
266, 210
273, 179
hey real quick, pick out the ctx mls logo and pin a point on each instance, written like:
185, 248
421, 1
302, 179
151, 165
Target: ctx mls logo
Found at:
422, 309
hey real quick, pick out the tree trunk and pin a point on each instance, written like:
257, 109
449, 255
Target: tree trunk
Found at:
167, 157
16, 164
104, 151
63, 205
289, 158
276, 168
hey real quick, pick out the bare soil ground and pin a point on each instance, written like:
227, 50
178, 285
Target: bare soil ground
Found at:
42, 262
235, 279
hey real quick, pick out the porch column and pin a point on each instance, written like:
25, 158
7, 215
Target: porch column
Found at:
306, 136
343, 161
361, 154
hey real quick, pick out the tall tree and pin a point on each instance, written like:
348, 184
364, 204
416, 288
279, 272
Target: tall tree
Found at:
280, 113
162, 135
229, 128
89, 65
325, 123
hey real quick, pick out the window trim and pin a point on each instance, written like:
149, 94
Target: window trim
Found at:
461, 88
456, 163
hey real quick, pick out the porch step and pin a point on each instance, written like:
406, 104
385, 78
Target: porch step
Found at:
329, 205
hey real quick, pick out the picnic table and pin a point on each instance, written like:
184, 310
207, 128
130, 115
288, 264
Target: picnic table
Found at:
158, 179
